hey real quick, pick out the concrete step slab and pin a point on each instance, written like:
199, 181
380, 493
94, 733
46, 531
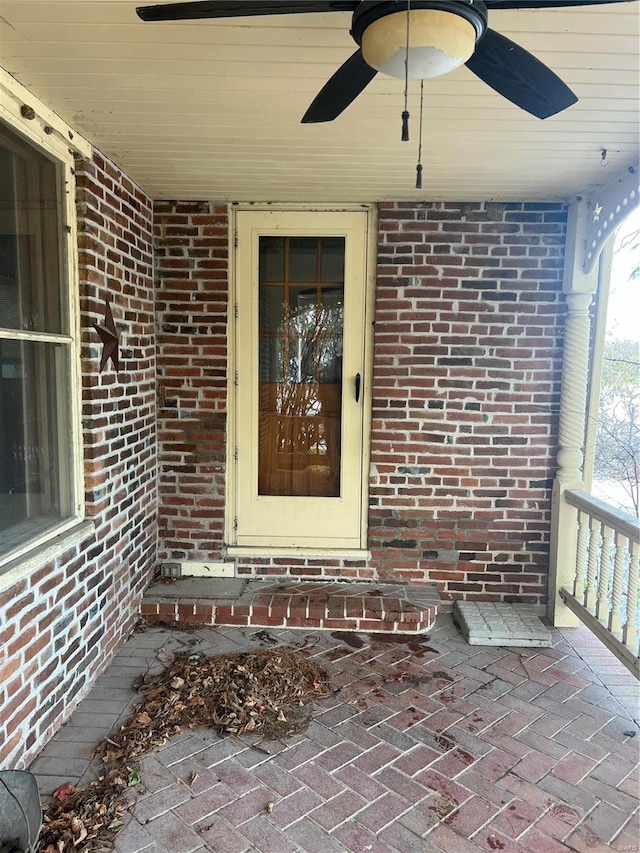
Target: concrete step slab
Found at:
488, 623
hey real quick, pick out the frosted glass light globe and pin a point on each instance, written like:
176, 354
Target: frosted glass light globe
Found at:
438, 42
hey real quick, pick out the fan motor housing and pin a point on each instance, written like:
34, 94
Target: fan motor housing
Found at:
369, 11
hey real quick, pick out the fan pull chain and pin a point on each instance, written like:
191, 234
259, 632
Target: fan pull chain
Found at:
419, 166
405, 112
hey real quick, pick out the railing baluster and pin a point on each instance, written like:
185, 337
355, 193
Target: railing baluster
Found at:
607, 567
630, 634
581, 555
602, 607
592, 565
615, 617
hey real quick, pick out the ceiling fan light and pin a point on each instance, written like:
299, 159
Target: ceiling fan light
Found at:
438, 42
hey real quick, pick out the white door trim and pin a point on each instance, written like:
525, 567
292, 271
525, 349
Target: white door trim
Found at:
356, 549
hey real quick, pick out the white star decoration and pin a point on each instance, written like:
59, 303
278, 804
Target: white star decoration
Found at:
597, 210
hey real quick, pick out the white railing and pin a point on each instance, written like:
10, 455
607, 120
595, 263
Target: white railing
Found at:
605, 586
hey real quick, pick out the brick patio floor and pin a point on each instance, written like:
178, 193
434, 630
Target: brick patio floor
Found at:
445, 747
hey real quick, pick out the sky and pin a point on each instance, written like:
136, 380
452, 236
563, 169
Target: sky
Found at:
623, 322
623, 314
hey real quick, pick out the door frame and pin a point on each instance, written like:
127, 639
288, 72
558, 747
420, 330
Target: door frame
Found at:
232, 401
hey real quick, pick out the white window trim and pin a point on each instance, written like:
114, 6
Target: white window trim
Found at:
47, 131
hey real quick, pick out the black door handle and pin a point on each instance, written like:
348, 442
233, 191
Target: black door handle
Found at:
357, 387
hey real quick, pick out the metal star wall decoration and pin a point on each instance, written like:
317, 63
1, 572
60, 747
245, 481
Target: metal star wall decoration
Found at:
110, 339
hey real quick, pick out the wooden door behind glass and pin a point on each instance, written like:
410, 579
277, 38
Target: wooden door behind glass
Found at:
301, 299
300, 286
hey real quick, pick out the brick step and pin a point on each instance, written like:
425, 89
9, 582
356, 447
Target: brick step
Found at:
383, 608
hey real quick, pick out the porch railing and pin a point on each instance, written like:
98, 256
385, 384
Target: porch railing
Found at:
605, 586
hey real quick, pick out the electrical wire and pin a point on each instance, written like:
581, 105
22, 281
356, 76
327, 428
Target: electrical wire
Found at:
419, 166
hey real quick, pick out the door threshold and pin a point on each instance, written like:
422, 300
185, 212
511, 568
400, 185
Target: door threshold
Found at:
313, 553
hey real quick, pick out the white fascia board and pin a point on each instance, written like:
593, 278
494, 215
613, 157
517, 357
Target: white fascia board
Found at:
45, 127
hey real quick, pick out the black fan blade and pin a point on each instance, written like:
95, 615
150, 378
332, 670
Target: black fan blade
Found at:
240, 8
350, 79
546, 4
519, 77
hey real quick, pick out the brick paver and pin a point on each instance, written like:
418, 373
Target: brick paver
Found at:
452, 750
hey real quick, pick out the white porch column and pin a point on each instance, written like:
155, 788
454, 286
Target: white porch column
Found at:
578, 288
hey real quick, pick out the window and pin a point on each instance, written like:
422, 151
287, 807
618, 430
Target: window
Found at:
38, 494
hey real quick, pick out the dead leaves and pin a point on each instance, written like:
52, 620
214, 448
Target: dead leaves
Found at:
143, 718
261, 692
84, 819
79, 830
164, 656
245, 692
63, 792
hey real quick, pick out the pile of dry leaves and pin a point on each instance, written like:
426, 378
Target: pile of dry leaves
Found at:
83, 819
261, 692
236, 694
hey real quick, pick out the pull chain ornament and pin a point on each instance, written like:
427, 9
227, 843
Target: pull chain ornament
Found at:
405, 112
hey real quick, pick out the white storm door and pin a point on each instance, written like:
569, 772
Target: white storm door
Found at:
300, 334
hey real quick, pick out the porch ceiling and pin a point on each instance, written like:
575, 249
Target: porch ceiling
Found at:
211, 109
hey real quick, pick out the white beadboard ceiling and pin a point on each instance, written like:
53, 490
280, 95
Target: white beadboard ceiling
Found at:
211, 109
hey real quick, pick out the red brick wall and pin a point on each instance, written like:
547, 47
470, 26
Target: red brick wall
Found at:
61, 625
468, 335
191, 248
468, 332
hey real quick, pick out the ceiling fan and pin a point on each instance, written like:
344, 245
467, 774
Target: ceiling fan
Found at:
416, 39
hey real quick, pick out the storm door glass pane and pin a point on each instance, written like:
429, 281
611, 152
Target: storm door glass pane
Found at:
332, 268
272, 259
271, 308
303, 259
300, 372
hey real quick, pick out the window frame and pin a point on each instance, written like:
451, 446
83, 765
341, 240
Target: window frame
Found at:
48, 134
